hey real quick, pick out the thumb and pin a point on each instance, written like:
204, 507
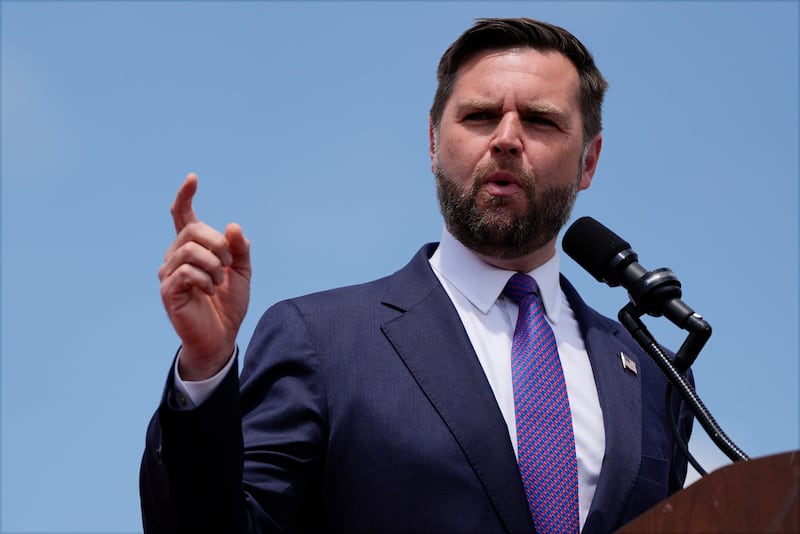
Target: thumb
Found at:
239, 246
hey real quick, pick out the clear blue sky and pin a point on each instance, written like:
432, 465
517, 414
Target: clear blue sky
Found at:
307, 123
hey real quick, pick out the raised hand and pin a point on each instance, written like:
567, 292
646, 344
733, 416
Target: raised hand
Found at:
205, 287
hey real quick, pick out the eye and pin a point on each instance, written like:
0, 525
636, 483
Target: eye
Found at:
539, 120
477, 116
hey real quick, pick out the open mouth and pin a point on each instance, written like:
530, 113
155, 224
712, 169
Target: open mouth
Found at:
502, 183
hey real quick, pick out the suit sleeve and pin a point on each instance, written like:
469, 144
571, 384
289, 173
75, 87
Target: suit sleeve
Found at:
249, 458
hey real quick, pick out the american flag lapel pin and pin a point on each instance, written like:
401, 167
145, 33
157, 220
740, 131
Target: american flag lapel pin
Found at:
628, 363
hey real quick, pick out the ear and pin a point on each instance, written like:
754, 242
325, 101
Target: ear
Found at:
590, 162
431, 141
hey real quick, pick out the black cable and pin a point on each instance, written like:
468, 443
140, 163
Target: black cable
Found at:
682, 445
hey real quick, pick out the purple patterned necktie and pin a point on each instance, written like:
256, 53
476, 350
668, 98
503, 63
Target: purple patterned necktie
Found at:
545, 441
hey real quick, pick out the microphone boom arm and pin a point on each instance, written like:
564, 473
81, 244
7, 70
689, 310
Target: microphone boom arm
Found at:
629, 316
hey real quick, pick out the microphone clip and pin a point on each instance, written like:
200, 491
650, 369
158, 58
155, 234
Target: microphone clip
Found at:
658, 293
650, 293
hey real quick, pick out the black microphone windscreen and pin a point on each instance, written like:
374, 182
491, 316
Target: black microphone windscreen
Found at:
593, 246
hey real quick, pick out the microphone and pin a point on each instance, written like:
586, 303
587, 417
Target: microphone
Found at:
610, 259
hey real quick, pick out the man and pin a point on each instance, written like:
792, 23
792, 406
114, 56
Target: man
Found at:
395, 406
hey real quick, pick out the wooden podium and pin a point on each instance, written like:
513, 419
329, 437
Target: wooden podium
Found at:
761, 495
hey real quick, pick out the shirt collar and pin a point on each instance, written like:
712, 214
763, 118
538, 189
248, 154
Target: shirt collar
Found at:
482, 284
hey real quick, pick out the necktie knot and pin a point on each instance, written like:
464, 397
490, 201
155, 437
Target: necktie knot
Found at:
519, 286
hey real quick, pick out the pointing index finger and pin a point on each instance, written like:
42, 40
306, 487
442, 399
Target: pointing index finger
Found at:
182, 212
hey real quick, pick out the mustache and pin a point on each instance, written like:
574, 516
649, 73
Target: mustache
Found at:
485, 170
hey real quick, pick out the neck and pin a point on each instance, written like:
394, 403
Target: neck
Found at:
523, 264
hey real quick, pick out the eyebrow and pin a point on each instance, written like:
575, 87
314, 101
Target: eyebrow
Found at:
543, 108
538, 108
474, 104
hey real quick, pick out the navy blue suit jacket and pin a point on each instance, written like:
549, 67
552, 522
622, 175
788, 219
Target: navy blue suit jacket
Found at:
365, 409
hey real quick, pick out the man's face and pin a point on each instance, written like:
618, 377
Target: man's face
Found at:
508, 155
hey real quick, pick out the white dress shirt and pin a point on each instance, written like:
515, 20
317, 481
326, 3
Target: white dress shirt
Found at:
476, 288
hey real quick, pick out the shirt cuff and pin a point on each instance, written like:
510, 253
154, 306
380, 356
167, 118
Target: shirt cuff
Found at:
190, 394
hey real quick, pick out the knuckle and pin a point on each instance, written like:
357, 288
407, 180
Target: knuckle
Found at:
165, 290
183, 273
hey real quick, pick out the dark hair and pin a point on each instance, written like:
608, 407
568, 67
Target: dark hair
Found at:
501, 34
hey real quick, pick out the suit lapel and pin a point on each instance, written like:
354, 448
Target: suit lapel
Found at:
434, 346
430, 339
620, 393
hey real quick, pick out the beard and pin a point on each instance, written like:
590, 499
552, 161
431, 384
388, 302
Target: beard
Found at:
504, 227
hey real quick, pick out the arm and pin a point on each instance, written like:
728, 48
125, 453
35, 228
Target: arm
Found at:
205, 287
249, 461
191, 473
201, 472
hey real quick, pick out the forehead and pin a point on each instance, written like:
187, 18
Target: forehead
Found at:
525, 73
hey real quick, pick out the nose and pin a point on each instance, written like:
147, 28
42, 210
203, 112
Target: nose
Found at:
507, 139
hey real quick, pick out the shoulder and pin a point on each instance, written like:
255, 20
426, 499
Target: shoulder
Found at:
399, 289
586, 315
374, 299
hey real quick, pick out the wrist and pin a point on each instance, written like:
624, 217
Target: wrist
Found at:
193, 368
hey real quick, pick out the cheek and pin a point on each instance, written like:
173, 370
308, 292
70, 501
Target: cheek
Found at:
460, 154
452, 154
555, 166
